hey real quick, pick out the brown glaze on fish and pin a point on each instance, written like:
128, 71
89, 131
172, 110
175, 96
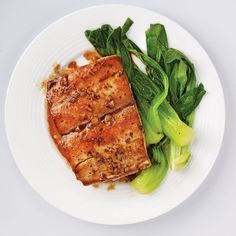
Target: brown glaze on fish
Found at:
94, 121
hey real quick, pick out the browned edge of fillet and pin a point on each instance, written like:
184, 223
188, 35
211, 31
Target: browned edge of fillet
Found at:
56, 136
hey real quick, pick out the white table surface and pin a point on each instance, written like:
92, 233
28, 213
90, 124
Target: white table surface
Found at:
211, 210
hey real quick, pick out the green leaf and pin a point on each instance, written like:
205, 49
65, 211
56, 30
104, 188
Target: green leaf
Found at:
126, 26
184, 97
98, 38
189, 101
178, 79
156, 40
173, 56
152, 115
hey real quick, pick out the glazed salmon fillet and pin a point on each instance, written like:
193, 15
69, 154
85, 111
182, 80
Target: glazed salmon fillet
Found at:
105, 142
108, 151
88, 91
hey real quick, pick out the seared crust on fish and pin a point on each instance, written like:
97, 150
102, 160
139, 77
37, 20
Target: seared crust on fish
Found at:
94, 122
88, 91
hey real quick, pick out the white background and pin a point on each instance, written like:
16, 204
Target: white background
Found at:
211, 210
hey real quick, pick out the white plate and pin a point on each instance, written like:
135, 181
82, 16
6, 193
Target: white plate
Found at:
42, 165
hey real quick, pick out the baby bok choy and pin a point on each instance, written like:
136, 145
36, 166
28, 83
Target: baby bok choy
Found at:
167, 95
171, 124
184, 96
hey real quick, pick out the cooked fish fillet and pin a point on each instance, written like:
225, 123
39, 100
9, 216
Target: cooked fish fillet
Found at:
88, 91
112, 149
94, 122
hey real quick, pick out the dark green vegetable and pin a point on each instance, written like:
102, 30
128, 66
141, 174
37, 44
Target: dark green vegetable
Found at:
174, 56
167, 96
151, 89
152, 114
171, 125
99, 38
156, 40
126, 26
184, 94
189, 101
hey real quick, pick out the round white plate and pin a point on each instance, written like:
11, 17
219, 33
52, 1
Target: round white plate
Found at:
40, 162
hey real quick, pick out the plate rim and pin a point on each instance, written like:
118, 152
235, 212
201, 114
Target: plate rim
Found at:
25, 50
